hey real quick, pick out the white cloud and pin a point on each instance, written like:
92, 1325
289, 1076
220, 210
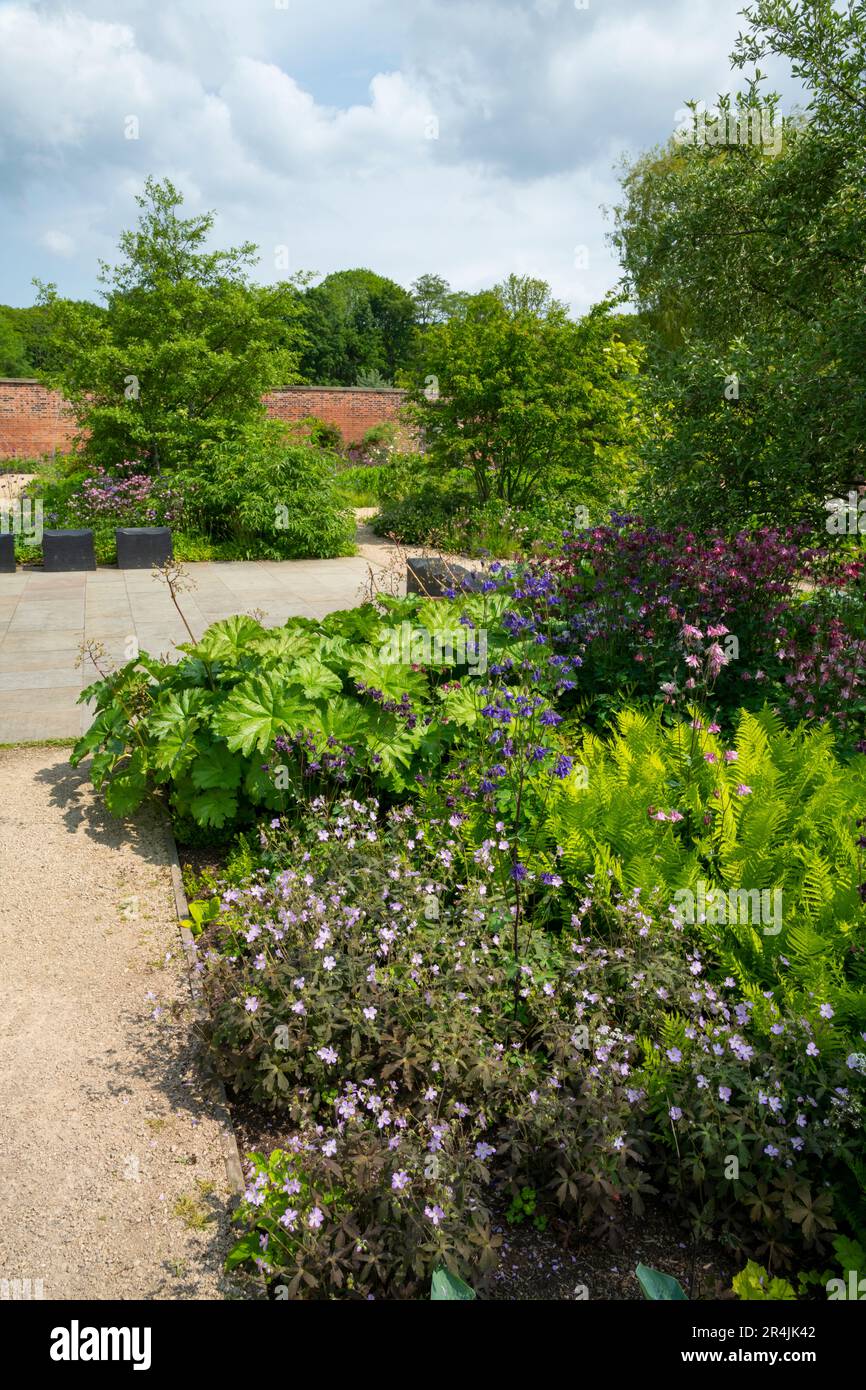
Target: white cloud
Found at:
60, 243
309, 127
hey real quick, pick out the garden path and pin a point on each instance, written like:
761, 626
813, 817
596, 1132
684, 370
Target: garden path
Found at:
111, 1168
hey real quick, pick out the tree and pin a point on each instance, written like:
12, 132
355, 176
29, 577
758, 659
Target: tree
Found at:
513, 390
745, 260
13, 354
434, 300
356, 322
186, 346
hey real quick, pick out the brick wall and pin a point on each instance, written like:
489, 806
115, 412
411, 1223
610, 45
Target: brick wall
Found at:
34, 420
354, 409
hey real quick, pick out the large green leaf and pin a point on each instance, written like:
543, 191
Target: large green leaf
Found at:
257, 710
445, 1285
659, 1286
216, 766
227, 639
314, 679
173, 723
395, 679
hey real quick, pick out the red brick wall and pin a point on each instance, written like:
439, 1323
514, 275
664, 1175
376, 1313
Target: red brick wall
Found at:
354, 409
34, 420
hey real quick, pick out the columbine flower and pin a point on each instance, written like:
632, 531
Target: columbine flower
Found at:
743, 790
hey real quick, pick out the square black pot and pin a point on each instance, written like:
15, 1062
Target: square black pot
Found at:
7, 553
68, 550
434, 578
140, 547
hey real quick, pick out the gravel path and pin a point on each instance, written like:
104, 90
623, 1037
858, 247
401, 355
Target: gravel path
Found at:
111, 1169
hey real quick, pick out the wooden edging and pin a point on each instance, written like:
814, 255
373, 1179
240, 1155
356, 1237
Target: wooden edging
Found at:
228, 1140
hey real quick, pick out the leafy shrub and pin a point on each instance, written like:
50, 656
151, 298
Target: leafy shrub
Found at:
630, 590
362, 985
274, 499
205, 729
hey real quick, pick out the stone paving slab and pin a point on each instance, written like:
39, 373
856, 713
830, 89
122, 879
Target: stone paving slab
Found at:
46, 618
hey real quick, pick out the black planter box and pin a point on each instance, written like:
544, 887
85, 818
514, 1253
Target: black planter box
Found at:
68, 550
7, 553
434, 578
140, 547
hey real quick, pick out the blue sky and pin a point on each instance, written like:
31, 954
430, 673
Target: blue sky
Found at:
466, 137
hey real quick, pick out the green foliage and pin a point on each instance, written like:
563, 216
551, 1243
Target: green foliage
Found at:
745, 261
185, 348
13, 353
523, 1207
659, 1286
355, 322
756, 1285
269, 497
512, 390
791, 830
201, 728
445, 1285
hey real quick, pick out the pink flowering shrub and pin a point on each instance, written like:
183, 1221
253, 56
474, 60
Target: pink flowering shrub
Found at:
762, 602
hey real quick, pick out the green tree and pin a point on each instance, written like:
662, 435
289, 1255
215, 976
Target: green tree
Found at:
745, 260
434, 300
13, 353
356, 322
513, 390
185, 348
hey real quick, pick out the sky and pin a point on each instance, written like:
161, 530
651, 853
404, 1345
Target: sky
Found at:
470, 138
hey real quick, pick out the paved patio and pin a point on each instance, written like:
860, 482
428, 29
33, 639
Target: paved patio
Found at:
45, 618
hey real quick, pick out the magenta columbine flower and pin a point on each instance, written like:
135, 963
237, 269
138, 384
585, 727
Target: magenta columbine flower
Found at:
743, 790
731, 755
